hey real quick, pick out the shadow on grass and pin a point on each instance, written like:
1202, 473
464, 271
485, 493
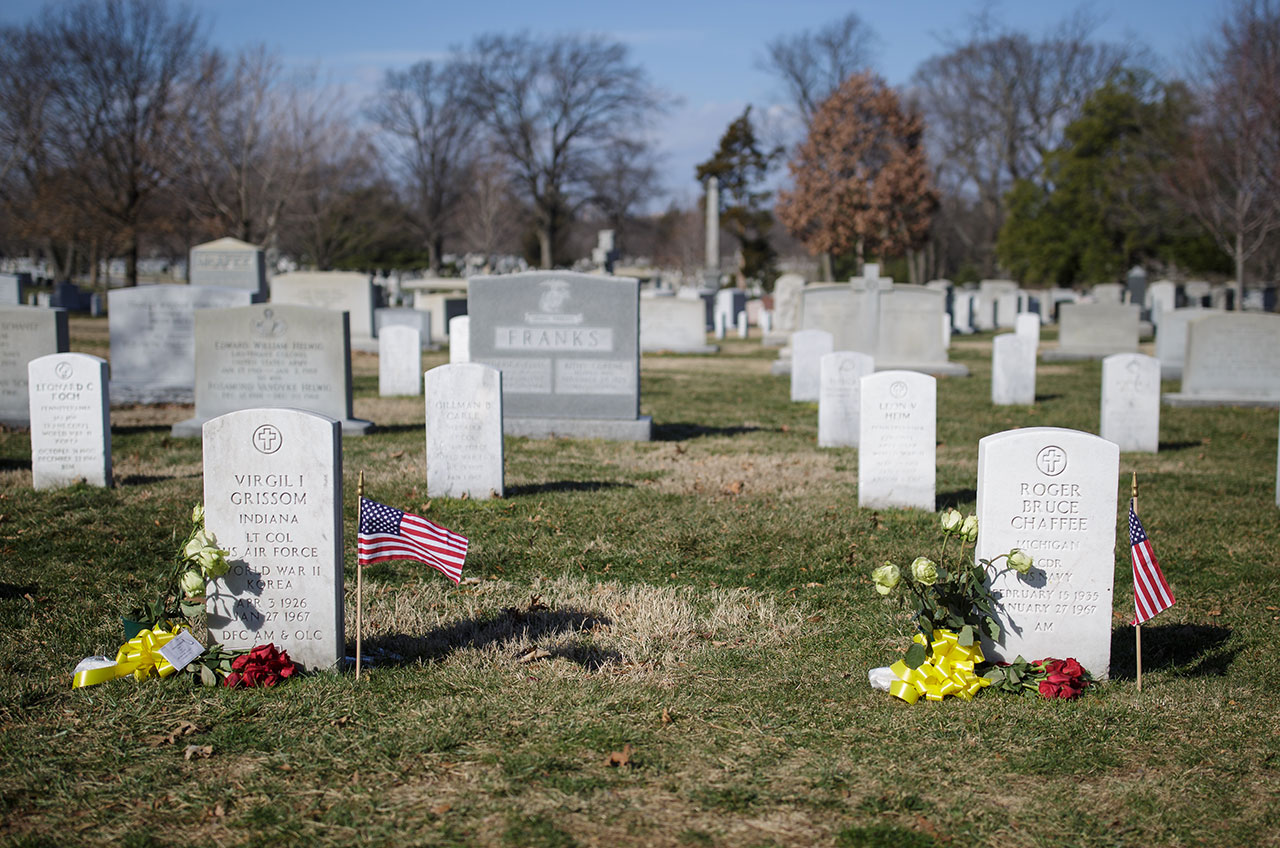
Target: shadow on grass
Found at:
1175, 446
564, 486
1044, 398
499, 632
1190, 650
147, 479
679, 431
401, 428
953, 500
8, 591
138, 429
15, 464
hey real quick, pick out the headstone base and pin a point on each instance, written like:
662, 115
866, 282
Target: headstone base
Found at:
1170, 372
781, 367
124, 394
365, 345
609, 429
193, 428
1180, 399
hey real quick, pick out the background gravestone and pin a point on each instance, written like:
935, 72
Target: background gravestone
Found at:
1171, 339
673, 324
270, 355
1028, 327
26, 332
807, 349
273, 498
568, 347
399, 361
1095, 330
839, 397
1051, 493
12, 290
1013, 370
464, 431
405, 317
70, 420
1231, 359
230, 263
1131, 402
787, 305
152, 332
897, 448
340, 291
459, 339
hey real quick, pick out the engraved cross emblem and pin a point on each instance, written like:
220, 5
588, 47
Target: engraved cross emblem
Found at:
267, 439
1052, 460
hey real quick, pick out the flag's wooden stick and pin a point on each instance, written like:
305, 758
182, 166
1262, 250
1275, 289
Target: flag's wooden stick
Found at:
359, 574
1137, 627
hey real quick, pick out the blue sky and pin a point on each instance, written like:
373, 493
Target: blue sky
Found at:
702, 51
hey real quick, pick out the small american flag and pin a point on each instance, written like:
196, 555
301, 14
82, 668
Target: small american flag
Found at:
389, 533
1151, 594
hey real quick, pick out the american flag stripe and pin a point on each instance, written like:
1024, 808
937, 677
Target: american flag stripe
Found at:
1151, 592
387, 533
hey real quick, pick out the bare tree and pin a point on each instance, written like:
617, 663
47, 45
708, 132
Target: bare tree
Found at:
1230, 177
124, 71
430, 136
253, 144
489, 208
996, 104
551, 106
813, 63
625, 178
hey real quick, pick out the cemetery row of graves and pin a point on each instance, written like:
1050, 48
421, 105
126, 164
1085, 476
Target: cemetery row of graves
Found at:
666, 616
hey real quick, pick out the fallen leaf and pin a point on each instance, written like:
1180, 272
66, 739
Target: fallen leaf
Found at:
339, 722
734, 488
814, 619
1273, 609
182, 729
620, 758
813, 585
1215, 612
666, 716
202, 752
441, 809
219, 811
786, 428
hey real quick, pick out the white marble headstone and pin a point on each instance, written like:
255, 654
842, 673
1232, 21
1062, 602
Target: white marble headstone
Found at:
897, 448
26, 332
1028, 327
1051, 493
399, 361
70, 420
1013, 370
1131, 401
839, 397
743, 329
807, 349
459, 339
464, 431
273, 498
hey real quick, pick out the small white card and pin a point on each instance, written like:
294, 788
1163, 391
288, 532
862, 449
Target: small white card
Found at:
181, 650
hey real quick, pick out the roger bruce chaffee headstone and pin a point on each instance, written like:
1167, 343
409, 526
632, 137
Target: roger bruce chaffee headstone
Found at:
1131, 402
568, 347
1051, 493
273, 498
26, 332
153, 339
269, 355
464, 431
839, 397
399, 361
70, 420
897, 449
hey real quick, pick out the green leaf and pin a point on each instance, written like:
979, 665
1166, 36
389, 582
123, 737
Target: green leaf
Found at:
966, 635
207, 677
993, 629
915, 656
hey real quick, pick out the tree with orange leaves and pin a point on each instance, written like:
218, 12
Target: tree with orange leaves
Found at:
862, 182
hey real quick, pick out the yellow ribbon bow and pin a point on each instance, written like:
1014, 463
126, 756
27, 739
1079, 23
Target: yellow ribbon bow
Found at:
139, 657
949, 671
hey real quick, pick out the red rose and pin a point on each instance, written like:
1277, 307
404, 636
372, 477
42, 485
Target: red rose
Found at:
1048, 690
1072, 669
1059, 678
232, 680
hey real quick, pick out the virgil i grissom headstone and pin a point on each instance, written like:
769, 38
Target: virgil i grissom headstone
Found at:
1051, 493
273, 498
464, 431
70, 420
